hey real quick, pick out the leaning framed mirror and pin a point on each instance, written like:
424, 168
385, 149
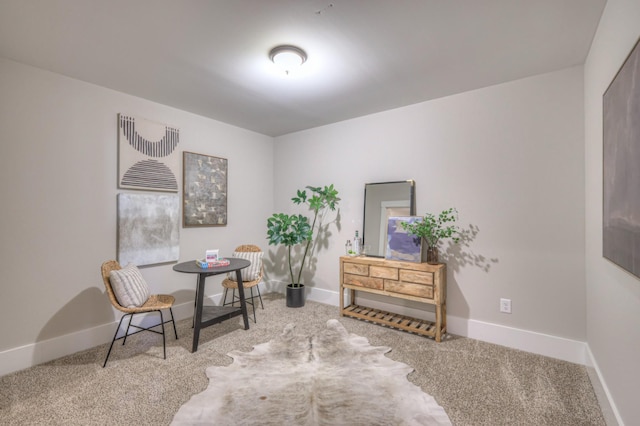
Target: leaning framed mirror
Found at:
381, 201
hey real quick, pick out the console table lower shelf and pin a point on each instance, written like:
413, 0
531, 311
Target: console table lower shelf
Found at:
390, 319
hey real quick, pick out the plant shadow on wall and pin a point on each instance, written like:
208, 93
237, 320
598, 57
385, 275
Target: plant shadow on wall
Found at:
458, 255
321, 242
433, 229
295, 234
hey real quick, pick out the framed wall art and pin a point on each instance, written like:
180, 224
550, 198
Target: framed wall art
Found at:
147, 155
148, 228
205, 190
621, 166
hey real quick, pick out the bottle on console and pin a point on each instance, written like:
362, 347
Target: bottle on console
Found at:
356, 244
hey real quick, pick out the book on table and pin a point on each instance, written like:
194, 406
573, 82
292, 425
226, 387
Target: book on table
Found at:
213, 264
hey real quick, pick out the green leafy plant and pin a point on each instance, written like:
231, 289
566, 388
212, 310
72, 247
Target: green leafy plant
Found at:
433, 228
294, 229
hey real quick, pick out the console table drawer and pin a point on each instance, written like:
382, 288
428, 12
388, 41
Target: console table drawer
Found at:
418, 277
366, 282
411, 289
356, 269
382, 272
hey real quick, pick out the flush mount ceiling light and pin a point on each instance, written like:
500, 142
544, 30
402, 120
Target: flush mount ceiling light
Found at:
287, 57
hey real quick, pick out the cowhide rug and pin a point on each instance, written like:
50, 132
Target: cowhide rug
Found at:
330, 378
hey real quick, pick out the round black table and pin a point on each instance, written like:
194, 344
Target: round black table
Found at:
204, 316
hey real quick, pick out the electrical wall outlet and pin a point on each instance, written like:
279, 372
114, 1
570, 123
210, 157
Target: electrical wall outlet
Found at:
505, 306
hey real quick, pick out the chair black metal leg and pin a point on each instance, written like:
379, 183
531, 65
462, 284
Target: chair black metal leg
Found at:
174, 323
224, 299
113, 341
164, 342
253, 305
260, 296
248, 300
128, 326
141, 328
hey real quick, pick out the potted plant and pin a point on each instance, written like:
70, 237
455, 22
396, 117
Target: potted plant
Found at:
293, 229
431, 229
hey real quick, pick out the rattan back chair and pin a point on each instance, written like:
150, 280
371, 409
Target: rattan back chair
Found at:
155, 303
229, 284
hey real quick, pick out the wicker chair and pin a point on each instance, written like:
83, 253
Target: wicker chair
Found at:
155, 303
229, 284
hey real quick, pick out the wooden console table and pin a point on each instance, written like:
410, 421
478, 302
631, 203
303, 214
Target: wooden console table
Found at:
420, 282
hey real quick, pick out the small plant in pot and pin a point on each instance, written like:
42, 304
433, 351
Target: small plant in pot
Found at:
294, 229
431, 229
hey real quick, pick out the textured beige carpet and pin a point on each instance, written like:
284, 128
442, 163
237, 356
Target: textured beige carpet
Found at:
477, 383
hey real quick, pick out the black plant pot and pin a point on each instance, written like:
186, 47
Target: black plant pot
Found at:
295, 296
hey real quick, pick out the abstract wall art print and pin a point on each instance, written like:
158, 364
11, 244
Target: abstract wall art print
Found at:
205, 190
148, 158
400, 245
148, 228
621, 166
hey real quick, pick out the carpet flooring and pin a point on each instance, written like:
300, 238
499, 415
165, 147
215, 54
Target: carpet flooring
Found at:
477, 383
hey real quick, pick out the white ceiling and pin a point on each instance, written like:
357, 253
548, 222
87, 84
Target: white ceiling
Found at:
364, 56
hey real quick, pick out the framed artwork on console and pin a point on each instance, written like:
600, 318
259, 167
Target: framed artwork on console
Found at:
204, 193
401, 245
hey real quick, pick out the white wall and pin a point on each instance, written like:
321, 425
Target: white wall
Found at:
613, 295
58, 180
509, 157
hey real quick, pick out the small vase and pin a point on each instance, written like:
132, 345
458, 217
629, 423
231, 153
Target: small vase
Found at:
432, 255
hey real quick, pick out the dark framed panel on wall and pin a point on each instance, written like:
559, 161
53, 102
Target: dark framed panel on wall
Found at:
621, 166
204, 194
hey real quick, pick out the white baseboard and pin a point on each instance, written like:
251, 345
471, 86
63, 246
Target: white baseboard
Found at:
525, 340
22, 357
569, 350
609, 411
26, 356
530, 341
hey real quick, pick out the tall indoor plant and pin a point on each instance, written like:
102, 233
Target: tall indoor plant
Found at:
293, 229
431, 229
